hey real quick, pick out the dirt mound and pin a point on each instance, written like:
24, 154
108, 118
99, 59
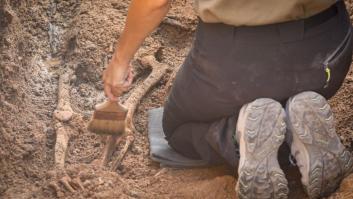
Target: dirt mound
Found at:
42, 42
212, 188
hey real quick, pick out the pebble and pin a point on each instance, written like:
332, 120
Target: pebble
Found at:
50, 174
100, 181
63, 116
28, 150
86, 183
73, 78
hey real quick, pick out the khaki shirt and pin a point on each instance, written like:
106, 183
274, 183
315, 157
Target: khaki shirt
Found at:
258, 12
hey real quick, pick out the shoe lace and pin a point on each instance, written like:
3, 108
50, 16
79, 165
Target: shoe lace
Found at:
292, 160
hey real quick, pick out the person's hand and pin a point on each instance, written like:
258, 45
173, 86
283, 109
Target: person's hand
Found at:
117, 78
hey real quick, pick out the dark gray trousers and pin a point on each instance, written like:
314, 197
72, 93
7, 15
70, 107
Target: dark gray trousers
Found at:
228, 67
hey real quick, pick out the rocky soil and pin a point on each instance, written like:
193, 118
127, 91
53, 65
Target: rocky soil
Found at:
43, 41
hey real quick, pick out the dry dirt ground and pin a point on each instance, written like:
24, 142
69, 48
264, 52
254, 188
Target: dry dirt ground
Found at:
41, 41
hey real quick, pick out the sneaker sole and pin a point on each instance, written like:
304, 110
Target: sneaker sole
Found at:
312, 125
263, 125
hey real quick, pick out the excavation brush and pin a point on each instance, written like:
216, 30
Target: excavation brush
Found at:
108, 119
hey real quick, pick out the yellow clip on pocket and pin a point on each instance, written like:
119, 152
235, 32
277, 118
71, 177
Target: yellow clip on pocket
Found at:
328, 76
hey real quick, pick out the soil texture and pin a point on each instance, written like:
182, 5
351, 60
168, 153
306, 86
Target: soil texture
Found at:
48, 43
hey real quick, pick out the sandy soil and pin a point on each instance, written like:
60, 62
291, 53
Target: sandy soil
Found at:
42, 40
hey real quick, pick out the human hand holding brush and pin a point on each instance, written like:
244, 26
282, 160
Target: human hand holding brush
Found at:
109, 116
143, 17
117, 79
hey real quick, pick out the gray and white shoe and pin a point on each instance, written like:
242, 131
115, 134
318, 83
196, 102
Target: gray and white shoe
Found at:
322, 159
261, 129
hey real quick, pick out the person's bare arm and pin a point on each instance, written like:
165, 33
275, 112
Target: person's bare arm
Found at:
143, 17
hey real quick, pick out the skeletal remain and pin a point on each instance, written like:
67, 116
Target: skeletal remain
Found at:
65, 181
73, 185
156, 176
70, 184
63, 113
56, 189
129, 140
158, 70
134, 191
110, 144
62, 140
78, 183
160, 172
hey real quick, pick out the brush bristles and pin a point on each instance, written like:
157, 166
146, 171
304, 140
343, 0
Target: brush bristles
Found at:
109, 127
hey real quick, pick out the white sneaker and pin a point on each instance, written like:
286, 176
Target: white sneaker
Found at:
260, 132
322, 160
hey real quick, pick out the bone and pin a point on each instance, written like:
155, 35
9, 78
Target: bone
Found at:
110, 144
129, 140
65, 181
62, 140
133, 191
78, 183
56, 189
63, 113
158, 70
160, 172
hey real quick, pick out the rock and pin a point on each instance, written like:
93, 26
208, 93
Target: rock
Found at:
73, 78
51, 174
28, 150
100, 181
87, 183
63, 116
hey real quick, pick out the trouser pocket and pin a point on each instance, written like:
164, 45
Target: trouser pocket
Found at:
336, 66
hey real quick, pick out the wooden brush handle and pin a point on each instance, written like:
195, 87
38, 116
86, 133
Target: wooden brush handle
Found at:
109, 106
